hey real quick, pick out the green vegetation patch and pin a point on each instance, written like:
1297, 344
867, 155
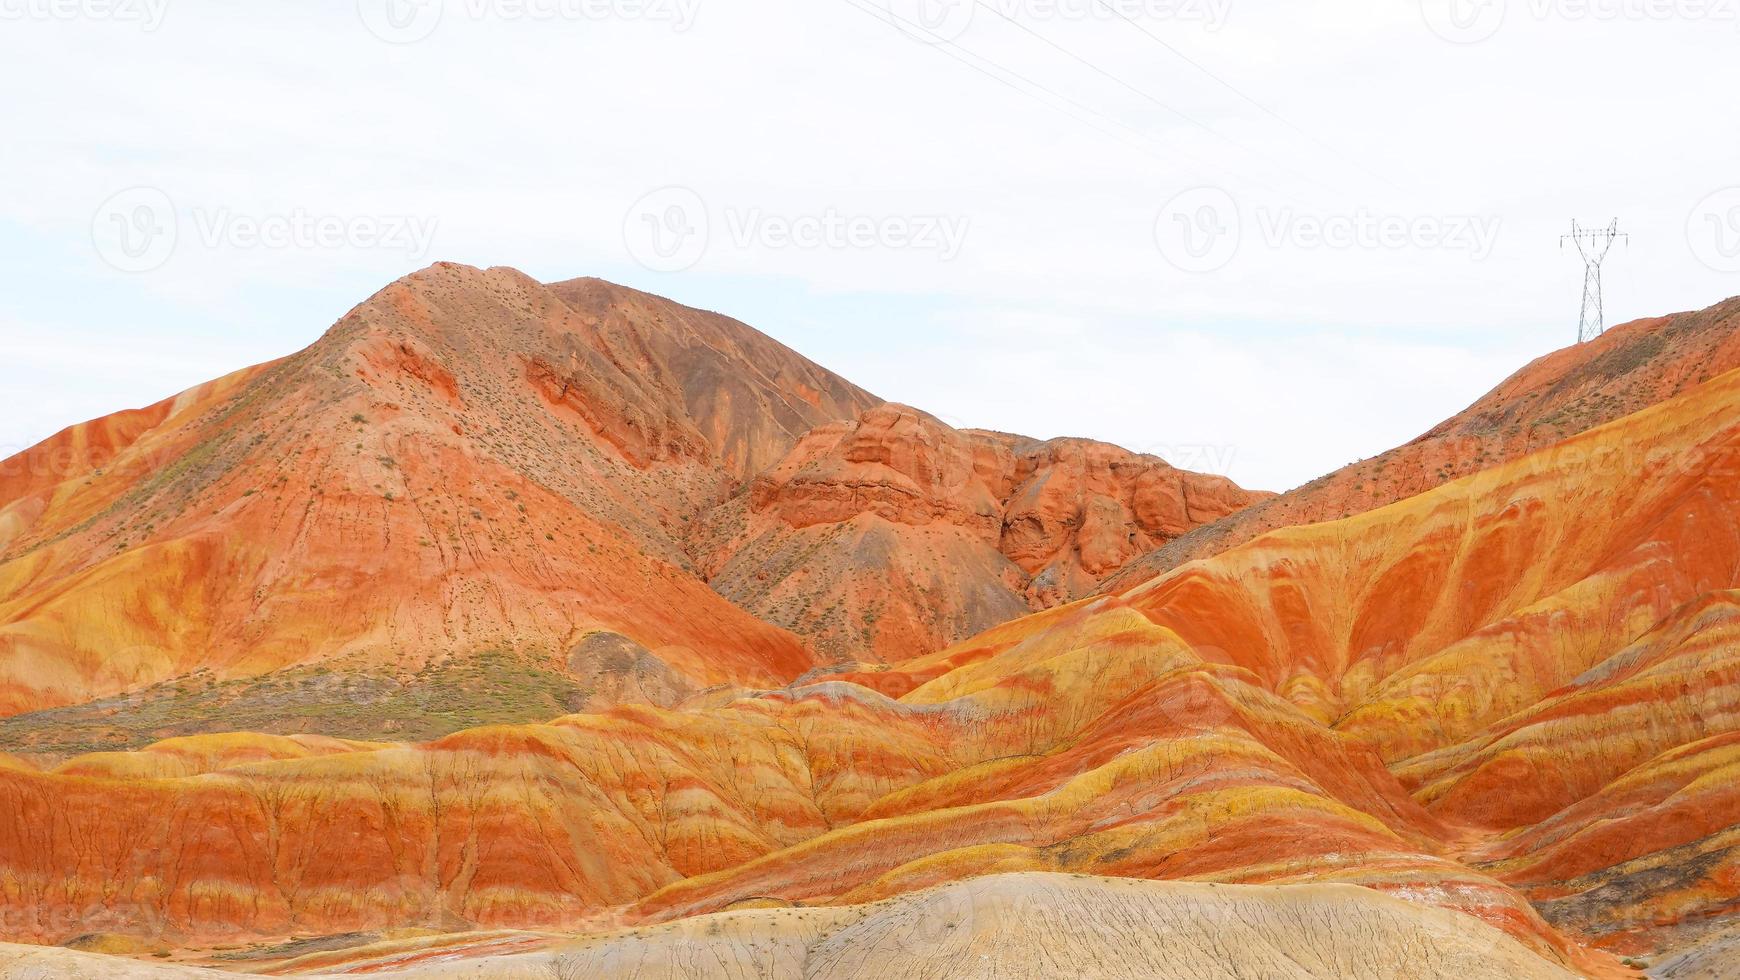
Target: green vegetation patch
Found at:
455, 693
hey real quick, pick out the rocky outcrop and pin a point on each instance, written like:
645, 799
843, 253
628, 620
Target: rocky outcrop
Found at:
469, 461
1508, 702
748, 395
1230, 722
894, 534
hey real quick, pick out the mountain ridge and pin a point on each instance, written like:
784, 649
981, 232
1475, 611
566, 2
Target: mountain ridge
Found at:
1554, 397
468, 463
1504, 703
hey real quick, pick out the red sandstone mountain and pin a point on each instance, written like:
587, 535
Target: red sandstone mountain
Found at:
894, 535
468, 461
1627, 369
1508, 702
1510, 698
471, 463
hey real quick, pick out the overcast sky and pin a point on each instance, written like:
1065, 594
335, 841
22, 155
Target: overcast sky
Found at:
1263, 237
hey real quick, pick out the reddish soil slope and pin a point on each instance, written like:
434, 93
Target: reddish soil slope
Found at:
750, 396
1228, 722
1628, 369
471, 461
895, 535
1512, 696
467, 461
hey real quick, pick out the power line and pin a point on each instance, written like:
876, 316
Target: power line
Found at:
955, 51
1169, 108
950, 48
1230, 87
1147, 95
1593, 321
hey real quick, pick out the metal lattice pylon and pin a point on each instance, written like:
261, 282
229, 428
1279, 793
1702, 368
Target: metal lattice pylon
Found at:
1592, 245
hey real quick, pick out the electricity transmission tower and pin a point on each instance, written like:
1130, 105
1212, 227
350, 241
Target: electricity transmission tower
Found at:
1592, 245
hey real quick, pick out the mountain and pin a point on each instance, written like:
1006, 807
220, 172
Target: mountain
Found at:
1569, 391
894, 535
479, 498
1491, 728
469, 462
1506, 698
749, 396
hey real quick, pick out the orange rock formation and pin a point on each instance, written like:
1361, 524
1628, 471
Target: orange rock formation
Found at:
1511, 697
894, 534
471, 461
1569, 391
468, 460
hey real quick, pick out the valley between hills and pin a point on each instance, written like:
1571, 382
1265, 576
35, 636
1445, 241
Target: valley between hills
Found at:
559, 630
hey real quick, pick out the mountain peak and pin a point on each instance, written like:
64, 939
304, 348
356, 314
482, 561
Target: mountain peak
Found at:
465, 461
